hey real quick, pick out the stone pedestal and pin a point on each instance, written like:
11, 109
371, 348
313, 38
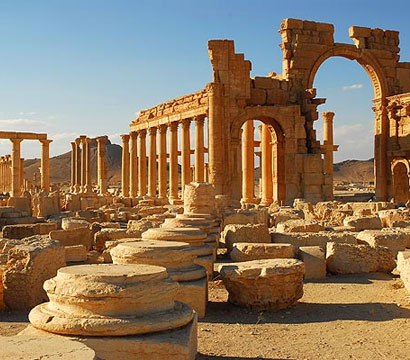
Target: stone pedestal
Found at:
120, 311
194, 237
179, 262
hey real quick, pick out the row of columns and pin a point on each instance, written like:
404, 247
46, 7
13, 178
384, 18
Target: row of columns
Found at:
81, 166
134, 159
248, 163
12, 178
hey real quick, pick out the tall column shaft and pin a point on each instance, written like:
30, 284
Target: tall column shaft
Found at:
125, 169
78, 166
133, 165
162, 163
152, 169
15, 167
21, 175
199, 149
101, 165
173, 161
266, 166
328, 140
248, 166
73, 165
185, 154
83, 163
88, 167
142, 163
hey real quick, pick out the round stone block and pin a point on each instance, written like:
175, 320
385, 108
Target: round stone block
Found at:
264, 284
110, 300
192, 236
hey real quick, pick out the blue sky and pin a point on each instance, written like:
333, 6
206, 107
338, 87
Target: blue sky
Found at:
71, 67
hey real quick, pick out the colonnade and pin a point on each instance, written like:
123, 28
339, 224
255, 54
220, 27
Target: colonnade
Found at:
81, 166
138, 180
267, 163
5, 174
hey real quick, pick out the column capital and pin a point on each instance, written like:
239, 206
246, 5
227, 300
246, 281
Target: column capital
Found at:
82, 138
16, 141
162, 129
133, 135
101, 140
152, 131
200, 119
125, 138
173, 126
328, 115
77, 141
142, 133
46, 141
186, 123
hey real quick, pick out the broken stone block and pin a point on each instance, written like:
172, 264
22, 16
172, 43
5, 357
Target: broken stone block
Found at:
73, 223
403, 265
285, 214
392, 240
300, 239
264, 284
75, 253
254, 251
314, 259
360, 223
251, 233
29, 264
20, 231
299, 226
243, 218
355, 259
199, 198
107, 234
79, 236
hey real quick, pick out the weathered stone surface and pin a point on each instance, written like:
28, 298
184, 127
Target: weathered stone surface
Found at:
2, 304
245, 218
73, 223
75, 253
285, 214
29, 264
392, 240
107, 234
360, 223
199, 198
113, 300
264, 284
403, 265
299, 226
254, 251
251, 233
314, 259
300, 239
30, 347
137, 227
79, 236
20, 231
354, 259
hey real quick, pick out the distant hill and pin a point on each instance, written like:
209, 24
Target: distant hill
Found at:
354, 171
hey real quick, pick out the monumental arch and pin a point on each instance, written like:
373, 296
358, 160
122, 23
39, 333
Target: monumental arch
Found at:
287, 106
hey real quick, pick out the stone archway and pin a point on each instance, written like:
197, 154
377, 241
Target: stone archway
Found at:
401, 189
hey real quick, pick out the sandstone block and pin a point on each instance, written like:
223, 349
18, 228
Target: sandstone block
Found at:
254, 251
300, 239
29, 264
403, 265
264, 284
73, 223
234, 233
314, 259
20, 231
79, 236
392, 240
107, 234
354, 259
199, 198
75, 253
363, 222
299, 226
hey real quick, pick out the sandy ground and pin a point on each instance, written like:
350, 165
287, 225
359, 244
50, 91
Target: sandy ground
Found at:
341, 317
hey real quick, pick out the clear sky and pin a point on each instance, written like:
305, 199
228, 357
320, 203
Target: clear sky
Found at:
87, 66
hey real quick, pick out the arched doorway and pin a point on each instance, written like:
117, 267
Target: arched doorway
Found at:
266, 135
380, 128
400, 171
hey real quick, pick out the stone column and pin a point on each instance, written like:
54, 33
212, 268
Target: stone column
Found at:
199, 149
2, 174
125, 172
133, 165
101, 165
266, 166
142, 163
73, 165
185, 154
162, 163
21, 175
15, 167
152, 169
328, 140
248, 166
83, 139
173, 161
78, 188
206, 173
88, 168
